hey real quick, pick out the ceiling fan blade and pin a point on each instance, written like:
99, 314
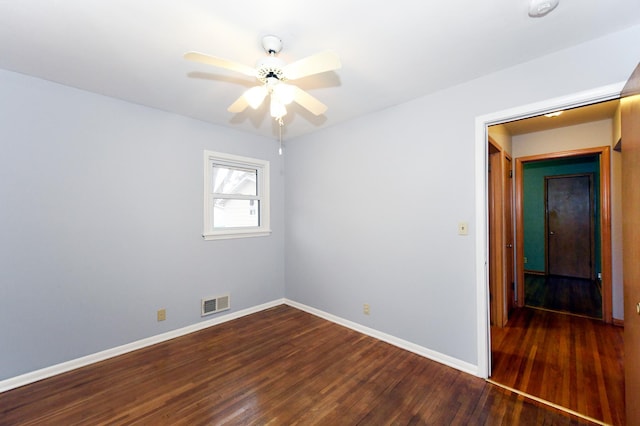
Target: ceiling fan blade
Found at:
309, 102
314, 64
220, 63
239, 105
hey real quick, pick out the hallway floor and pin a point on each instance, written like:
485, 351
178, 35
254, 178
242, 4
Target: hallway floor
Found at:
572, 361
564, 294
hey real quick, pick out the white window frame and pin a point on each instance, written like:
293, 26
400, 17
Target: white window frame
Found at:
262, 178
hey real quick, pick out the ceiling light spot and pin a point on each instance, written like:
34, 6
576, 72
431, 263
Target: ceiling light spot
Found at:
538, 8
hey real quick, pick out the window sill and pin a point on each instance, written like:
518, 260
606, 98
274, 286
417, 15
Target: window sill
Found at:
226, 235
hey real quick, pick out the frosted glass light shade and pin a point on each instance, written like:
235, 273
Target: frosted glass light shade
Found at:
255, 96
278, 110
284, 92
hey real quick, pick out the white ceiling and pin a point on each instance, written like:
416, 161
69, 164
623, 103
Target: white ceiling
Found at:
391, 52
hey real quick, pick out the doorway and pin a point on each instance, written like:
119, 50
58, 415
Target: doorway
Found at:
561, 234
524, 364
595, 257
589, 97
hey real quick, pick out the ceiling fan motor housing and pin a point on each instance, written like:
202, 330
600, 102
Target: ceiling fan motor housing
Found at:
270, 67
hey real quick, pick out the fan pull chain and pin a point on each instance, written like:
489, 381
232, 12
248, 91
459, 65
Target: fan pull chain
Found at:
281, 123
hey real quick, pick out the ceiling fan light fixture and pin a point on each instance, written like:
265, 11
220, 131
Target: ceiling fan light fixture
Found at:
277, 109
271, 72
285, 93
255, 96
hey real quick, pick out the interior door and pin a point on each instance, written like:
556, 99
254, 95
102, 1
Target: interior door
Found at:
630, 113
570, 230
501, 271
496, 248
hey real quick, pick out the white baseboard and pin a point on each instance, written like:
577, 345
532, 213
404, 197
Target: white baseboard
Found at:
44, 373
53, 370
395, 341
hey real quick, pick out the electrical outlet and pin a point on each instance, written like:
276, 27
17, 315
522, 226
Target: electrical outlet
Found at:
525, 260
463, 228
365, 309
162, 314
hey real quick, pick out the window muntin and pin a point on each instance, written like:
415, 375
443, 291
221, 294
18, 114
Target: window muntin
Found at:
236, 196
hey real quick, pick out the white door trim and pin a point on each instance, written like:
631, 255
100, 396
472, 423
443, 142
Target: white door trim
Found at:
600, 94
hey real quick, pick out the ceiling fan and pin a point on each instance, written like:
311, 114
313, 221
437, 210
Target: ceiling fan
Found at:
272, 73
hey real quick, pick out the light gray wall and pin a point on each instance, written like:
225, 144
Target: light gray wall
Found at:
101, 224
347, 243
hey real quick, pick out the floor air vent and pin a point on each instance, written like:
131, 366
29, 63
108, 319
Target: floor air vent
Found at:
216, 304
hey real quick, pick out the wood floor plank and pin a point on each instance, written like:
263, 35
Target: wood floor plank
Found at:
571, 361
280, 366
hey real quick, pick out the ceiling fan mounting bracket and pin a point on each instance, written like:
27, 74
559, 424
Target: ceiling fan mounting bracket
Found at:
271, 44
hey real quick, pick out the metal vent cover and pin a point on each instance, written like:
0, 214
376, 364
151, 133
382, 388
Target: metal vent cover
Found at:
215, 304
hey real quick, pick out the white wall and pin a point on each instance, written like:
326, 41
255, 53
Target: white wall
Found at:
101, 224
347, 245
588, 135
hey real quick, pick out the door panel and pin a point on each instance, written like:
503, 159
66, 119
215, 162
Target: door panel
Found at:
630, 110
570, 226
496, 274
500, 262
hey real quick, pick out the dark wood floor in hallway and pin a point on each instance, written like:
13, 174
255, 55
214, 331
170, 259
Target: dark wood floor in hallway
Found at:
571, 361
281, 366
564, 294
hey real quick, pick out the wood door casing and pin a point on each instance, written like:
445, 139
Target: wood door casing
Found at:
509, 272
630, 113
569, 225
500, 262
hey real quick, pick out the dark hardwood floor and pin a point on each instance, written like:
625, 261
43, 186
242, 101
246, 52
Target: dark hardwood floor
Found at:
564, 294
572, 361
281, 366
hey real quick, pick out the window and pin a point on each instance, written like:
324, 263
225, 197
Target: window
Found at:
236, 196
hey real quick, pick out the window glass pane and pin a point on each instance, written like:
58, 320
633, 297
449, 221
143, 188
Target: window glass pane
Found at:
233, 213
232, 180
